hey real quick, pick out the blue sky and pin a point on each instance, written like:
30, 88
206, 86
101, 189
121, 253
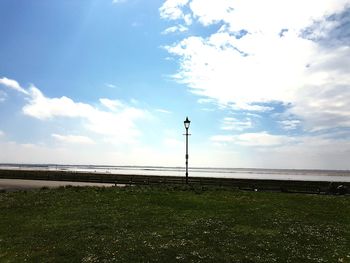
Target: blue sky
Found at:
110, 82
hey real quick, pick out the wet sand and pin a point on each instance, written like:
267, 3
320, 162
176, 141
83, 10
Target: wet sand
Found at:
19, 184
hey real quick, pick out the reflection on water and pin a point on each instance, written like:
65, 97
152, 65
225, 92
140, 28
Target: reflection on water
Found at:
243, 173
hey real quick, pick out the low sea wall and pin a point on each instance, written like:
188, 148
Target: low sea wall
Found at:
313, 187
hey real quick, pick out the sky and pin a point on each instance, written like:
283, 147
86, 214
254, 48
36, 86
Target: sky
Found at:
265, 83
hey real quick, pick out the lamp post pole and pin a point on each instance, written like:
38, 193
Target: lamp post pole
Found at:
187, 125
186, 155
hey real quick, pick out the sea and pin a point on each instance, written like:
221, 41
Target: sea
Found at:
238, 173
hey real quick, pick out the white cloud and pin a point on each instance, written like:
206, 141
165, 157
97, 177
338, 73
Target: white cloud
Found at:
213, 67
118, 125
205, 100
259, 139
209, 12
324, 107
309, 152
163, 111
250, 107
1, 133
112, 104
187, 19
262, 139
12, 84
232, 124
78, 139
290, 124
109, 85
173, 29
252, 69
267, 16
171, 9
43, 108
223, 138
264, 150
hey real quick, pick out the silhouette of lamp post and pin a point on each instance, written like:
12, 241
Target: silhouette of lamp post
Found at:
187, 125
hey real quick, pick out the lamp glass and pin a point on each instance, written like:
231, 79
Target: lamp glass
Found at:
187, 123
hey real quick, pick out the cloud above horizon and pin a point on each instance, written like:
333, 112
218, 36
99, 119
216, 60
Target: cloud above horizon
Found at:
117, 122
76, 139
260, 139
12, 84
268, 51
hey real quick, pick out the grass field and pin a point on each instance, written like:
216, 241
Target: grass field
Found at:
172, 224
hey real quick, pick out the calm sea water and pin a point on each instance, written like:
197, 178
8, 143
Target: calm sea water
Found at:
241, 173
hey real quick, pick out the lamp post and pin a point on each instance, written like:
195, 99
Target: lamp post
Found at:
187, 125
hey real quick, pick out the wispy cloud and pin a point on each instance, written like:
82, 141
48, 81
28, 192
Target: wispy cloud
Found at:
290, 124
205, 100
109, 85
12, 84
1, 133
113, 105
233, 124
118, 1
173, 29
163, 111
3, 96
260, 139
75, 139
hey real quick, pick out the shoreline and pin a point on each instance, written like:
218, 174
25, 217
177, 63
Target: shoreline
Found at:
273, 175
250, 184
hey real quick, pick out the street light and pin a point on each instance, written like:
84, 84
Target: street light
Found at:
187, 125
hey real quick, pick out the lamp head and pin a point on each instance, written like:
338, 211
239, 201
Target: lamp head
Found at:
187, 123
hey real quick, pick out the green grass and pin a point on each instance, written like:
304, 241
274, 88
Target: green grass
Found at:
172, 224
